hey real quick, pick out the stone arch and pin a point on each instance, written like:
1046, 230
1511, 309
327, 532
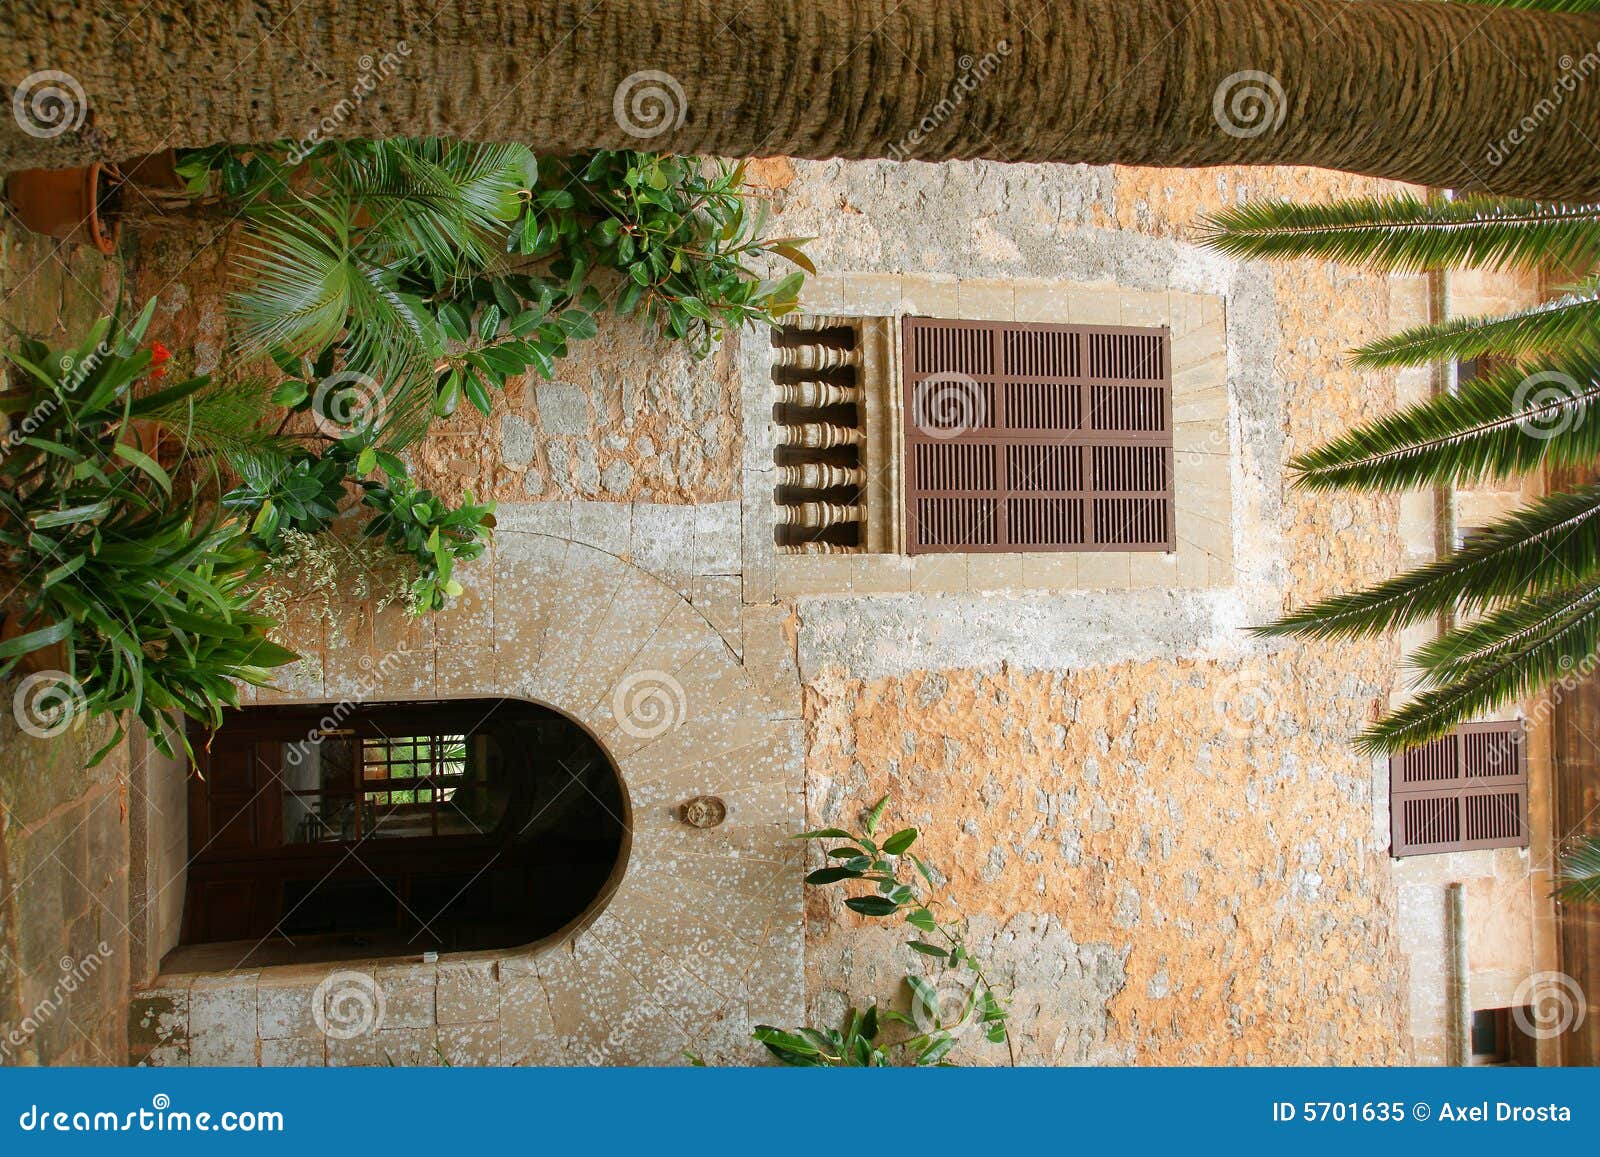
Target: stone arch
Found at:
700, 930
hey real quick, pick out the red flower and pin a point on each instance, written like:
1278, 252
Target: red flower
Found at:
159, 354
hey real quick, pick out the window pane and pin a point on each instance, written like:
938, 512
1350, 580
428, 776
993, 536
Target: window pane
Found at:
318, 778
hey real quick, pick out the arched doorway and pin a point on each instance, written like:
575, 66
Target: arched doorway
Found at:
325, 832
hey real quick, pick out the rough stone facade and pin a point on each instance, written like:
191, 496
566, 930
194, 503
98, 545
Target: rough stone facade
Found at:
1155, 823
64, 854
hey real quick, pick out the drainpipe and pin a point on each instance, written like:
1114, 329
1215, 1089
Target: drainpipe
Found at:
1458, 1030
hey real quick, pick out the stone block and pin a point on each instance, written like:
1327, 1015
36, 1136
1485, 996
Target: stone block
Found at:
468, 993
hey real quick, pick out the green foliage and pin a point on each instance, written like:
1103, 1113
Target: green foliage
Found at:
415, 523
1580, 871
438, 270
319, 576
1547, 547
960, 997
1530, 583
305, 496
150, 610
678, 231
1503, 424
1408, 234
1550, 327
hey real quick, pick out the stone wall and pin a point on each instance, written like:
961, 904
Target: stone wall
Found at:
64, 935
1156, 823
1154, 820
64, 941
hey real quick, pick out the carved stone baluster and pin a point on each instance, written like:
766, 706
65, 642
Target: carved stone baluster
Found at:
820, 476
814, 395
816, 515
812, 357
816, 548
818, 435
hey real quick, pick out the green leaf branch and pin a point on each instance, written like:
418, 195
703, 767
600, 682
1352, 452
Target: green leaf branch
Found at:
905, 887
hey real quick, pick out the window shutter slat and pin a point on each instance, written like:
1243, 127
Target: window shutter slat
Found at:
1466, 791
1037, 437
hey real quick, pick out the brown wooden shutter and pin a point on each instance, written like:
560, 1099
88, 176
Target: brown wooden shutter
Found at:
1033, 437
1468, 790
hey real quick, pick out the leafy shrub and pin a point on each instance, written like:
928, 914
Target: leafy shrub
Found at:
149, 607
903, 887
416, 524
387, 260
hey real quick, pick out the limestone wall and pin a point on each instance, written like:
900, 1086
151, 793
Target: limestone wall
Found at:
1164, 842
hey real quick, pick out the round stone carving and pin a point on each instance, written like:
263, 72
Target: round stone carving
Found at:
703, 811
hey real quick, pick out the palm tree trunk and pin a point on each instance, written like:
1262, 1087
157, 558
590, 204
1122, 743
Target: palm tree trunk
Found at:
1446, 94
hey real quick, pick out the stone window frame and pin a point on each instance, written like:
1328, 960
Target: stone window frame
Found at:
1202, 443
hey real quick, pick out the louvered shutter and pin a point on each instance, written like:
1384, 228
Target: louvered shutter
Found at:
1468, 790
1031, 437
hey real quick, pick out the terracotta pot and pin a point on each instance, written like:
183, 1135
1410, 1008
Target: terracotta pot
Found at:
73, 204
51, 658
155, 171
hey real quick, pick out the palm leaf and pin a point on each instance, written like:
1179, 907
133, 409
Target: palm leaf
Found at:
225, 419
1503, 424
1407, 234
1502, 658
1514, 630
1548, 327
301, 273
1553, 544
445, 202
310, 285
1580, 871
1542, 5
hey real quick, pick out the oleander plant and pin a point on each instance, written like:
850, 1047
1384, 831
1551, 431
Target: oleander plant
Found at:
115, 589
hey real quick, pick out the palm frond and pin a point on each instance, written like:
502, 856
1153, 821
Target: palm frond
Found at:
1505, 423
311, 284
1553, 544
300, 273
1542, 5
1580, 871
1523, 627
225, 419
1548, 328
1502, 658
446, 201
1405, 233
